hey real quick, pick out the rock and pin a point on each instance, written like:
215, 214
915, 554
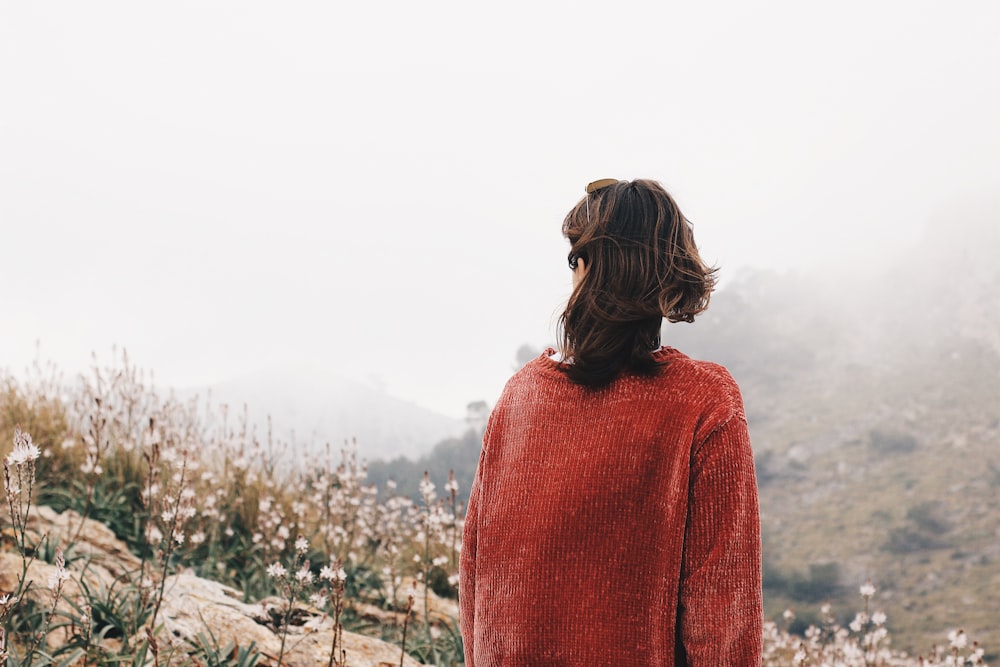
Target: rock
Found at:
191, 604
441, 609
91, 539
37, 589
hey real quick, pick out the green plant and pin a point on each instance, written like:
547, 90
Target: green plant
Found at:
231, 655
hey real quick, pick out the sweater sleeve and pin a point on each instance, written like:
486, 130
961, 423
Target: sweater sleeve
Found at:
467, 566
720, 607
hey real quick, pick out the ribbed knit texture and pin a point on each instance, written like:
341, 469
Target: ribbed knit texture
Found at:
617, 526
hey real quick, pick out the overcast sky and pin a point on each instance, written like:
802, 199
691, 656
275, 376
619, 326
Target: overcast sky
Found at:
376, 189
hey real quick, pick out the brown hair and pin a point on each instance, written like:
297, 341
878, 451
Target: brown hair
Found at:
642, 265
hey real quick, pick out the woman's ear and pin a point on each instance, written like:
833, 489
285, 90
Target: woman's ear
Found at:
580, 271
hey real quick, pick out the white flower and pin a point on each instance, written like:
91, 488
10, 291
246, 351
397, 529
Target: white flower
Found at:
326, 572
867, 589
304, 576
60, 574
57, 577
958, 639
153, 535
878, 618
276, 570
317, 599
788, 615
24, 450
301, 544
198, 538
859, 622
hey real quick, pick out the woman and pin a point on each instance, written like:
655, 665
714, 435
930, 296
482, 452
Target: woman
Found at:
613, 519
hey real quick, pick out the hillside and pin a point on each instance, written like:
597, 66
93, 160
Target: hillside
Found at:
874, 405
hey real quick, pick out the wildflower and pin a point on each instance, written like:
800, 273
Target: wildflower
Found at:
427, 487
859, 621
153, 535
60, 574
89, 467
276, 570
24, 450
788, 615
958, 639
301, 545
331, 574
304, 575
452, 486
440, 561
317, 599
867, 589
198, 538
878, 618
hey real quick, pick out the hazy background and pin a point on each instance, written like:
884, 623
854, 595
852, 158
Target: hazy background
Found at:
374, 191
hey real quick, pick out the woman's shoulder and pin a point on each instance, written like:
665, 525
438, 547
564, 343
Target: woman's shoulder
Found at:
710, 383
695, 370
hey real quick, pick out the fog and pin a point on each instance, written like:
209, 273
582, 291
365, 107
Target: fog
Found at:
374, 191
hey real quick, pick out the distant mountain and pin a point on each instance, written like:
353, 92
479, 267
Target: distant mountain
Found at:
315, 408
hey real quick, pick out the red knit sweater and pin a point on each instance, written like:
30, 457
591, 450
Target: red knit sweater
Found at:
616, 526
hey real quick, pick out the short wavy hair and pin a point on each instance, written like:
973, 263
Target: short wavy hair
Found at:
642, 265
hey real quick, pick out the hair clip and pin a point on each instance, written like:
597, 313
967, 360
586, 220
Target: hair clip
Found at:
602, 183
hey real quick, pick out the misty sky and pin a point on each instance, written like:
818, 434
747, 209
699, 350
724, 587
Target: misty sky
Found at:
376, 189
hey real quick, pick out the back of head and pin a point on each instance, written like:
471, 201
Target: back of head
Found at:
642, 265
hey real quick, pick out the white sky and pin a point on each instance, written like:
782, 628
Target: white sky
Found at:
376, 188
